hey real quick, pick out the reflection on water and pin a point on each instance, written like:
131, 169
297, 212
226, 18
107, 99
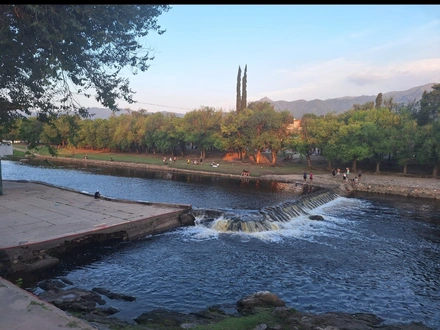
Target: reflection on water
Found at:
373, 254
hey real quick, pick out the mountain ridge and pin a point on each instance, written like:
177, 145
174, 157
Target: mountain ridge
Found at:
300, 107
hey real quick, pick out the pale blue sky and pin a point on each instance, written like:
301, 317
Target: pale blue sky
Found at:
291, 51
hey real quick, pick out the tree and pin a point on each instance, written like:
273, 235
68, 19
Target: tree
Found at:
202, 127
48, 50
378, 100
428, 146
306, 136
429, 106
52, 49
29, 130
243, 90
231, 130
238, 101
265, 128
389, 103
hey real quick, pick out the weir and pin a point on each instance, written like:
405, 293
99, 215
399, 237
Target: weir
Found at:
265, 219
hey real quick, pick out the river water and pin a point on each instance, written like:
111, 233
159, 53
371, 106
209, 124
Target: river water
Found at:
372, 253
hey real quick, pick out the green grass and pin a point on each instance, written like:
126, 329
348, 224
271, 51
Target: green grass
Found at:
34, 303
243, 323
226, 167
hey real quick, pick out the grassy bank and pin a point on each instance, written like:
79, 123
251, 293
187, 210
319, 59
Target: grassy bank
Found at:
227, 163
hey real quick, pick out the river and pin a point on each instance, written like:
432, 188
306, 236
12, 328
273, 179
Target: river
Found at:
372, 253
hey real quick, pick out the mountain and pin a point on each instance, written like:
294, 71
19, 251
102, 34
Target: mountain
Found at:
105, 113
339, 105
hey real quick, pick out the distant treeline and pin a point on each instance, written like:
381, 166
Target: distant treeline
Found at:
408, 133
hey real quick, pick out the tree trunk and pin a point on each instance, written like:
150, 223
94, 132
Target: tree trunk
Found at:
405, 168
354, 165
329, 166
435, 170
377, 167
258, 156
274, 157
309, 161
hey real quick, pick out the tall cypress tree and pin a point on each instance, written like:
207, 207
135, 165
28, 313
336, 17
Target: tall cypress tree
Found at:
378, 100
238, 102
244, 91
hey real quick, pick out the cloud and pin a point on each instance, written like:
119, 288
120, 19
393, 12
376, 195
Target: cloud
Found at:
363, 79
341, 77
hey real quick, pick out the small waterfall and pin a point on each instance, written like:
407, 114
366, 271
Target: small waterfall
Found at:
265, 219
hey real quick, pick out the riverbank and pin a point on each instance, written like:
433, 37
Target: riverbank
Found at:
389, 183
308, 319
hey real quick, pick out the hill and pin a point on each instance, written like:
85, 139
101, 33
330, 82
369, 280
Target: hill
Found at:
339, 105
105, 113
300, 107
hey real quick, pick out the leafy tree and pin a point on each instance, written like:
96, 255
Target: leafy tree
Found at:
87, 134
365, 106
29, 130
231, 130
52, 52
428, 146
153, 124
123, 136
244, 91
306, 136
238, 100
404, 139
201, 127
67, 127
101, 127
264, 128
52, 49
389, 103
279, 133
380, 127
429, 106
50, 134
326, 129
167, 136
351, 142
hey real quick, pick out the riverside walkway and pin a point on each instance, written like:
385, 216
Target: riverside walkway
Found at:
36, 218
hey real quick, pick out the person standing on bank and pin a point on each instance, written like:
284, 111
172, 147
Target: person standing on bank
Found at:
305, 176
311, 177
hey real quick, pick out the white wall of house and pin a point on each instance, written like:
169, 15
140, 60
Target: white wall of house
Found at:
6, 148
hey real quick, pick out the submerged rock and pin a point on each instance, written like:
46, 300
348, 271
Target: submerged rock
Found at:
316, 217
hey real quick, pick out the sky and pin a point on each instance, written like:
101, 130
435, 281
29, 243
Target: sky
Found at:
292, 52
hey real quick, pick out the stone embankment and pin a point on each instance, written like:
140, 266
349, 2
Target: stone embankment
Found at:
399, 185
390, 184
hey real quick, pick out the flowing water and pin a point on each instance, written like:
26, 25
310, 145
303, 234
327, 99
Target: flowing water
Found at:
371, 253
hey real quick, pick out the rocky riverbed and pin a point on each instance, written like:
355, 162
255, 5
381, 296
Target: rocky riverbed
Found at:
259, 311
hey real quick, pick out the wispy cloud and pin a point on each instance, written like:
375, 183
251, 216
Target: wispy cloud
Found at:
341, 77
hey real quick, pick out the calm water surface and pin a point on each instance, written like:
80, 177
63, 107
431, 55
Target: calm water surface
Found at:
372, 254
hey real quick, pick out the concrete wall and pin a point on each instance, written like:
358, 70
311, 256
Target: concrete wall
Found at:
48, 254
6, 149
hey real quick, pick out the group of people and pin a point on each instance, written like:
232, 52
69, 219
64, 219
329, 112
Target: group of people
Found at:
345, 177
305, 176
171, 159
195, 161
346, 173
